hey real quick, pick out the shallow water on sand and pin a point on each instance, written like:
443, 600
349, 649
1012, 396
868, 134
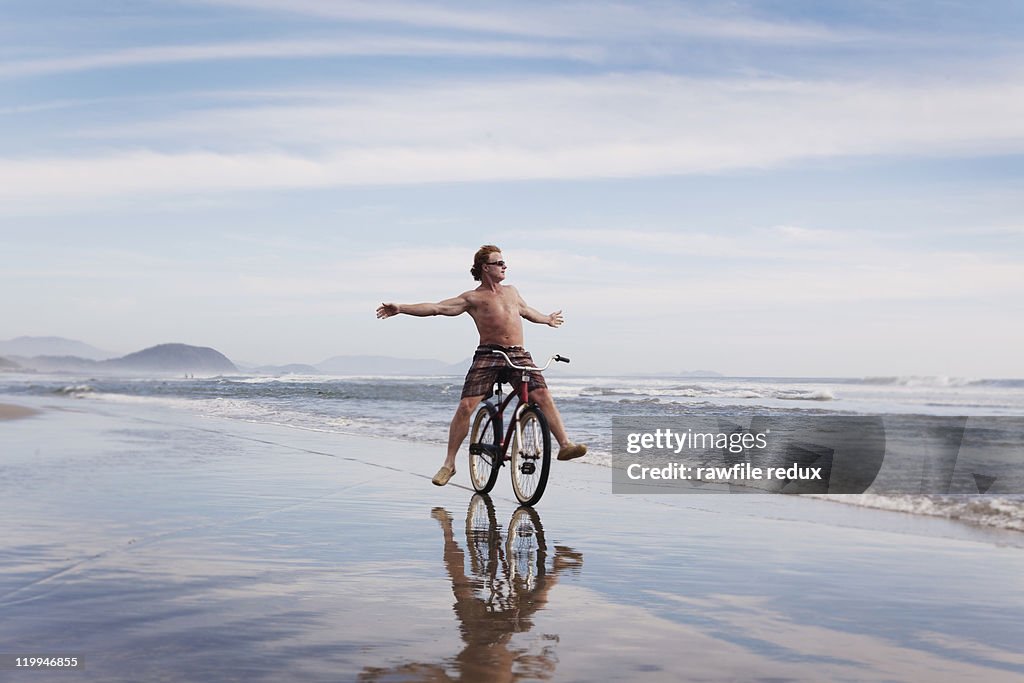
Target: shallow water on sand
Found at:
162, 546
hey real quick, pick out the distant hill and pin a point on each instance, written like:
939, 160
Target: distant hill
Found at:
174, 358
29, 347
386, 365
8, 364
164, 358
56, 363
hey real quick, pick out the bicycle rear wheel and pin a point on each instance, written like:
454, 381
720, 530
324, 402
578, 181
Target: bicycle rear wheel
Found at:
485, 448
482, 533
531, 459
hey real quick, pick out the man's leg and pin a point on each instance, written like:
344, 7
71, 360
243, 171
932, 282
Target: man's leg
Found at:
457, 432
567, 449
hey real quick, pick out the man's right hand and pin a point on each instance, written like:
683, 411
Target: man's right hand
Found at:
387, 310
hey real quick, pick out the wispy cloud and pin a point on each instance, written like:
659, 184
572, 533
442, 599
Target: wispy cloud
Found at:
342, 46
585, 32
787, 243
592, 20
607, 126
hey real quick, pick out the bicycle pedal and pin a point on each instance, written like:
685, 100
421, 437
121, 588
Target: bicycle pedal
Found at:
476, 449
527, 468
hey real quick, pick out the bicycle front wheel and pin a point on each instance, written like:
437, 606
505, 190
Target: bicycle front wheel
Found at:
525, 549
485, 448
531, 459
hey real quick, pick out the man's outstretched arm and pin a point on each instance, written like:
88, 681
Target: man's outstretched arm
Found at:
454, 306
534, 316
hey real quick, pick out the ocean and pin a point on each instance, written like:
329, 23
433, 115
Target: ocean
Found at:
418, 409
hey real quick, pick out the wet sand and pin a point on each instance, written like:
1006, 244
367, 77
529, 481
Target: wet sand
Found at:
157, 545
10, 411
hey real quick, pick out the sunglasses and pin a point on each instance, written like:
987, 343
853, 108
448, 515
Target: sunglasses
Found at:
496, 263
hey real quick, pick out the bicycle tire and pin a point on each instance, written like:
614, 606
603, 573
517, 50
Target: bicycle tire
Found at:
526, 549
482, 533
485, 440
531, 460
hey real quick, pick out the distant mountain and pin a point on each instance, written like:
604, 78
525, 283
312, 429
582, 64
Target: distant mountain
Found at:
460, 368
386, 365
8, 364
174, 358
29, 347
57, 363
163, 358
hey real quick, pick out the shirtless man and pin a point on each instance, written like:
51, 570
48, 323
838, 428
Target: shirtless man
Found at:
498, 311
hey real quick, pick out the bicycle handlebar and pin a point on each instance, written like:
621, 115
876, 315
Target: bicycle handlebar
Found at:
556, 357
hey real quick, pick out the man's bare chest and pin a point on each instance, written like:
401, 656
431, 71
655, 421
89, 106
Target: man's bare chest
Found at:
495, 307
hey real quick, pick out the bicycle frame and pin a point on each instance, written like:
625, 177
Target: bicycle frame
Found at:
523, 393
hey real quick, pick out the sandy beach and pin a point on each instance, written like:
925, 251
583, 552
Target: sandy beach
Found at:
10, 411
158, 545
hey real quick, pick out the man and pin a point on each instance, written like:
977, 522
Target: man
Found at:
498, 311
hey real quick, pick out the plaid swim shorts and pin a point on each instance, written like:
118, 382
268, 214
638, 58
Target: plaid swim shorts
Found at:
488, 368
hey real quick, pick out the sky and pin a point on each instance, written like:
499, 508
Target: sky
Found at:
755, 188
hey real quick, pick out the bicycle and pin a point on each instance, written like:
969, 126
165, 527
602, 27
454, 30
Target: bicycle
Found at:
528, 435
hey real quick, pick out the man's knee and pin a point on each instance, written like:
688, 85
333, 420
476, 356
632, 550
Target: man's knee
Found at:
467, 405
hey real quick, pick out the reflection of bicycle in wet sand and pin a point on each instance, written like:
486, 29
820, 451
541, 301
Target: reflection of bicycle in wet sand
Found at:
506, 580
521, 556
526, 445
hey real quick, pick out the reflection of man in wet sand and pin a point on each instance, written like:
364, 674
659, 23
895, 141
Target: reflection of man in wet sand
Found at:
498, 311
491, 607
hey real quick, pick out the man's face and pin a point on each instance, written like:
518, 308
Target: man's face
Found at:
495, 266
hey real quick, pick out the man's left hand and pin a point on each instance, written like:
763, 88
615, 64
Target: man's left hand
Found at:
555, 319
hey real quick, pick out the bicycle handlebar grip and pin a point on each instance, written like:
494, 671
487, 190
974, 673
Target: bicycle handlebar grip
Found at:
561, 359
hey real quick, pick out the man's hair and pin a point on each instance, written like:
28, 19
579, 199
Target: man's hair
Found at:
483, 255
